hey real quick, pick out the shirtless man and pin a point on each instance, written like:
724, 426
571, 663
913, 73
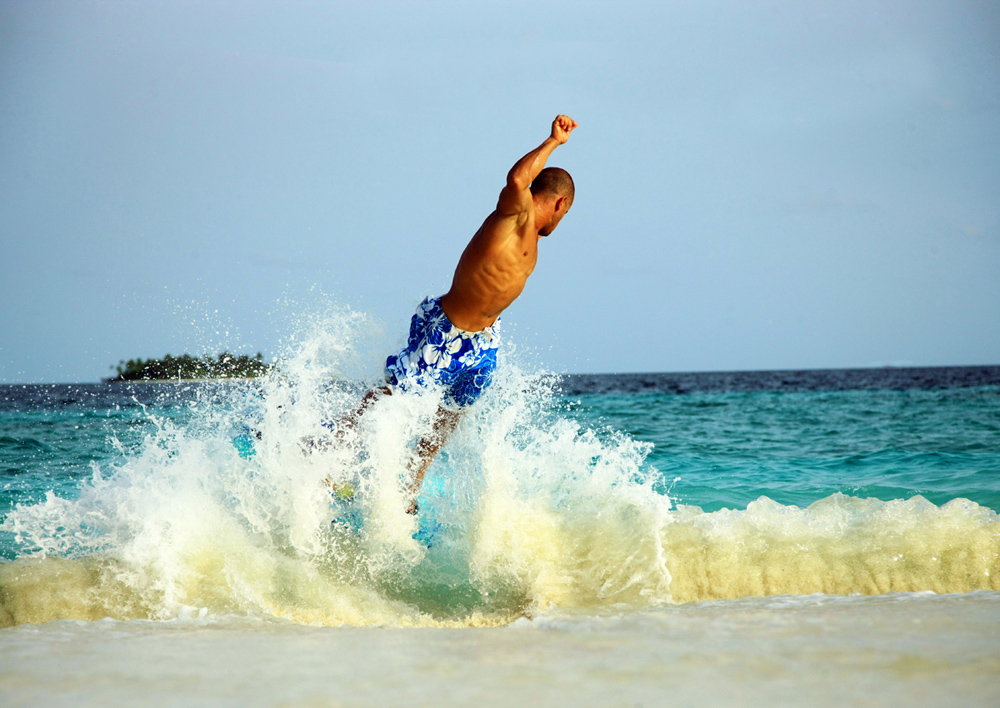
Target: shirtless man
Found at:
453, 339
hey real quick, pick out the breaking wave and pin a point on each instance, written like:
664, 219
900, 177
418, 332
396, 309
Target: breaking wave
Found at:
525, 509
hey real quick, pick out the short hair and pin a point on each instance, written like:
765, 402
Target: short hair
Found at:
554, 181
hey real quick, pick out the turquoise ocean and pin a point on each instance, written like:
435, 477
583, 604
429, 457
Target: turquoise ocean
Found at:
748, 538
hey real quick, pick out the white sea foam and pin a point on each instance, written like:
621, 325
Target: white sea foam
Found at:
525, 510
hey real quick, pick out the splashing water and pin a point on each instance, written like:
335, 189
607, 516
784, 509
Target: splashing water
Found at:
523, 510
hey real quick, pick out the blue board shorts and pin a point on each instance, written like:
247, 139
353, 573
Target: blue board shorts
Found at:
440, 354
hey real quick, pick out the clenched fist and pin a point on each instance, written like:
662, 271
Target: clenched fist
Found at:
562, 126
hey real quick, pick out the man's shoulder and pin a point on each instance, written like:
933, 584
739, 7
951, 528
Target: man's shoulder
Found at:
499, 227
514, 202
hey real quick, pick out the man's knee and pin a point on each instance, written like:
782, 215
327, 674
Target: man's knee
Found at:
373, 395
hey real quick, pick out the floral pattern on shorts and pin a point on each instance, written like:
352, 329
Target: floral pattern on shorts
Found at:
439, 353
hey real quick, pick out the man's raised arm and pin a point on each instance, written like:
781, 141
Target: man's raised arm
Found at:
515, 197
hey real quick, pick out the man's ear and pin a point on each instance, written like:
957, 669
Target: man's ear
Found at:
562, 205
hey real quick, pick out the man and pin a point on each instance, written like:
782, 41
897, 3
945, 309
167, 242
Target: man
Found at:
453, 339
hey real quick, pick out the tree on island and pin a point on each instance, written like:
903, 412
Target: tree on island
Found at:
222, 366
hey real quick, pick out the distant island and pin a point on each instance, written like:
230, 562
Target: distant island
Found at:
222, 366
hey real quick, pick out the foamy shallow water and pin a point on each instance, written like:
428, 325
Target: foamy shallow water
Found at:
899, 649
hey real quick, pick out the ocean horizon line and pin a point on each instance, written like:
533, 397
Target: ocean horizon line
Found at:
806, 369
991, 371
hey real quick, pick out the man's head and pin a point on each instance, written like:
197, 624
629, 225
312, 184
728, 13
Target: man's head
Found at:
553, 191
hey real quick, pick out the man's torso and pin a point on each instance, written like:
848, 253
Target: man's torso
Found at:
492, 271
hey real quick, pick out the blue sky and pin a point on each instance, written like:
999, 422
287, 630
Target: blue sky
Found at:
760, 185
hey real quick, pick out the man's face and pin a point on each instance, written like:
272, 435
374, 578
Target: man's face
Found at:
562, 206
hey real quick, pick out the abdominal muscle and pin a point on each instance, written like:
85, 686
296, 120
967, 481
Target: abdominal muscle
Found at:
490, 275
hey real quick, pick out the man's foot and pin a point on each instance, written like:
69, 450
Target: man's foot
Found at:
342, 491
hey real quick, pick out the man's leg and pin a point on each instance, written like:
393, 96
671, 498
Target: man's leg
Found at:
347, 422
427, 449
310, 445
350, 420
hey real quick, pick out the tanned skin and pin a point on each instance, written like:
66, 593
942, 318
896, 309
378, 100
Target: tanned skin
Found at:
498, 260
493, 270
